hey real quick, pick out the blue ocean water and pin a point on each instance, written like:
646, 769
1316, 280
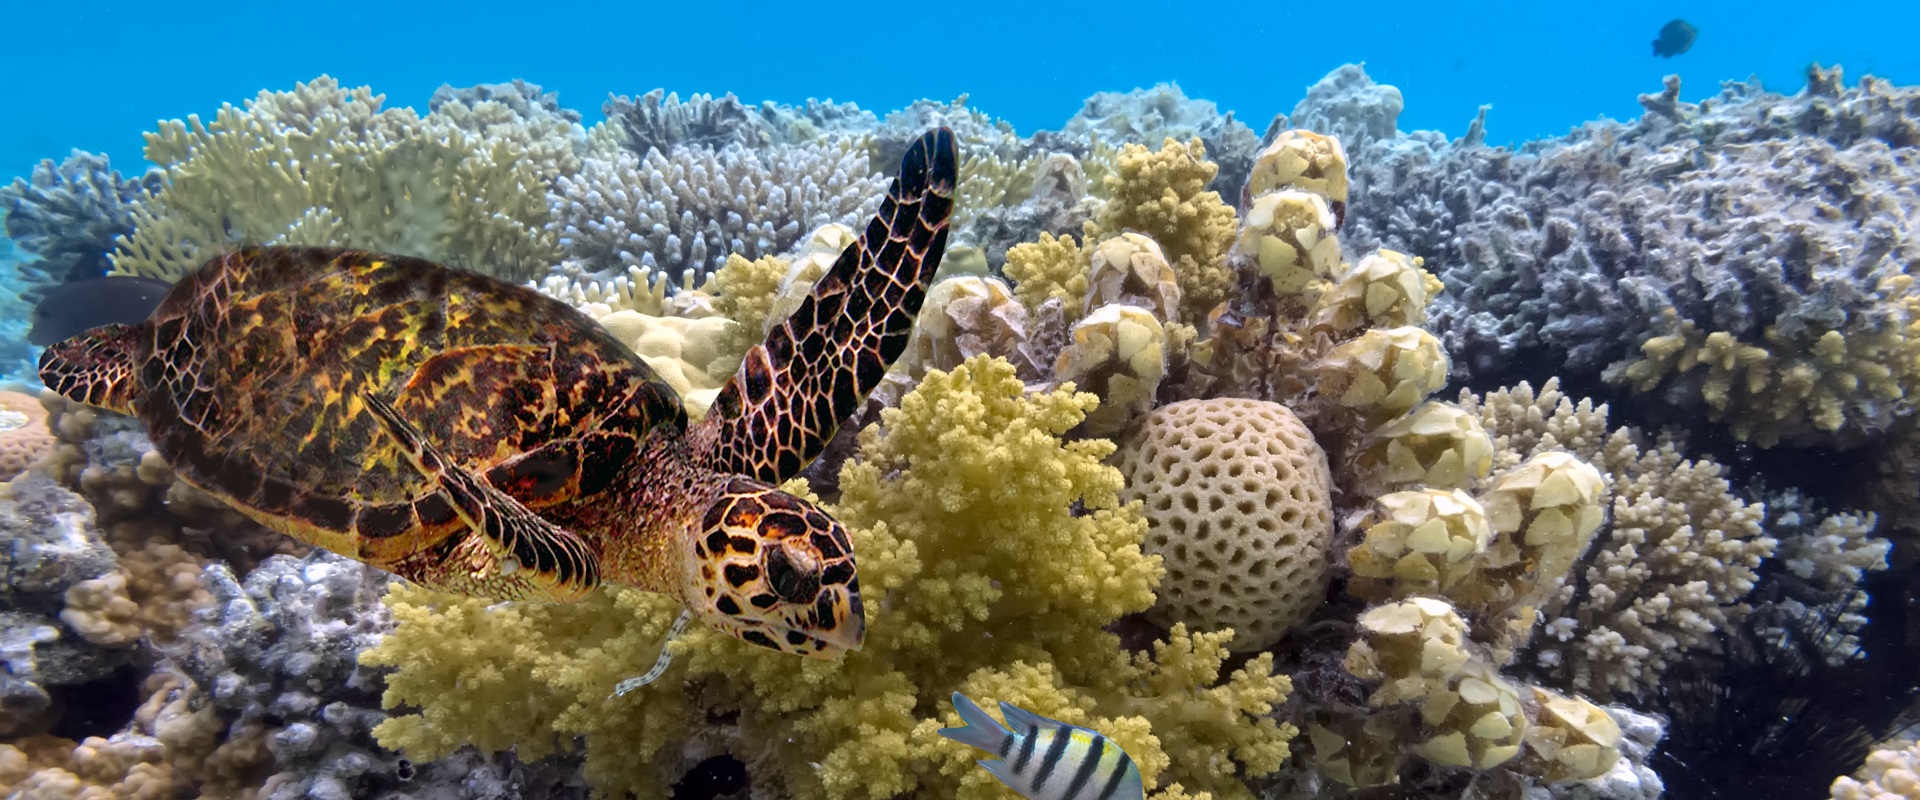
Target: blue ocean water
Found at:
95, 75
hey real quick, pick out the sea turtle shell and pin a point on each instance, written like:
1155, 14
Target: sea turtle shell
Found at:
482, 438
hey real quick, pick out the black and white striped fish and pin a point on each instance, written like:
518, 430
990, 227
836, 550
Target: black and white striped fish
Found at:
1045, 759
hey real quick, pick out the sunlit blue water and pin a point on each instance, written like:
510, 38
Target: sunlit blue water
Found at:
95, 75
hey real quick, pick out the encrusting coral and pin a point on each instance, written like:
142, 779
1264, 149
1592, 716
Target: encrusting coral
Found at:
992, 553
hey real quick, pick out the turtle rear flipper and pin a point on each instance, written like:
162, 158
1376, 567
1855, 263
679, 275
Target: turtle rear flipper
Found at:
791, 392
96, 367
520, 556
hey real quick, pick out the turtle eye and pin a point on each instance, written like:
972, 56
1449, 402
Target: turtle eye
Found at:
793, 572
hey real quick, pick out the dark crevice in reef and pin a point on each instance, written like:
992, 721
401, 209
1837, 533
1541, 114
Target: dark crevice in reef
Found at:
714, 778
99, 707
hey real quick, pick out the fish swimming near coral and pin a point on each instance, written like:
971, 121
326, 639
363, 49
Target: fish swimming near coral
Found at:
70, 309
1046, 759
1675, 38
478, 437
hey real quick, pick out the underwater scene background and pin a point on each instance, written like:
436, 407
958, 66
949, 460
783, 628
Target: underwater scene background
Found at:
1401, 403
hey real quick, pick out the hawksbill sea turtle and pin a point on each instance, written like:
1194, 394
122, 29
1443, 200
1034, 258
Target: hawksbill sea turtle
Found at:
480, 438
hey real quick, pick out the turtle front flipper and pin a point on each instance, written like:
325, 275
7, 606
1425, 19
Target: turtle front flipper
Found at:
97, 367
773, 570
791, 392
518, 556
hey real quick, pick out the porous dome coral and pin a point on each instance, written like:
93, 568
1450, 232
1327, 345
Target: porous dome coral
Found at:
1240, 501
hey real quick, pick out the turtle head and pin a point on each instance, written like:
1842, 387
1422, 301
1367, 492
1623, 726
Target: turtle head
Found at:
775, 570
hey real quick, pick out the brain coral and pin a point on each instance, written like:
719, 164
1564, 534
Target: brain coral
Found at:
24, 436
1239, 500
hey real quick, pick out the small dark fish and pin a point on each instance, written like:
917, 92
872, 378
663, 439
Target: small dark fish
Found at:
1675, 38
67, 310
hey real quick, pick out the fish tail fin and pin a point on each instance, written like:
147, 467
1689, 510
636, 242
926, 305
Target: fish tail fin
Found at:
980, 731
95, 367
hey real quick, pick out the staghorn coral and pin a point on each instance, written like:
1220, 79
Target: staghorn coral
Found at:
68, 214
1673, 566
1162, 193
1741, 259
970, 515
683, 211
323, 165
660, 121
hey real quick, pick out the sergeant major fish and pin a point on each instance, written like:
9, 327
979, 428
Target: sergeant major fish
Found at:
1045, 759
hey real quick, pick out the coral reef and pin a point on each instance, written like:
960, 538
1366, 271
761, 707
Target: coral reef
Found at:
324, 165
1163, 456
1148, 117
67, 215
660, 121
683, 211
970, 515
1162, 194
1743, 258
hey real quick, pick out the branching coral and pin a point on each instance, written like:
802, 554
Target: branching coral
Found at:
1673, 567
684, 210
659, 121
992, 553
68, 215
324, 165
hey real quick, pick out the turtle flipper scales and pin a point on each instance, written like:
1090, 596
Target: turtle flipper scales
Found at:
791, 392
516, 555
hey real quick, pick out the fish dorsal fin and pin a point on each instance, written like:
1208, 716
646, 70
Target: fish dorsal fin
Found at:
784, 404
1022, 721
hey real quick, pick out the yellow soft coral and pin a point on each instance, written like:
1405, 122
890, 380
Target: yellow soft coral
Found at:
746, 290
985, 542
1052, 268
1163, 195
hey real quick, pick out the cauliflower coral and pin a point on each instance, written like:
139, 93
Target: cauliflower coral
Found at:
992, 555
